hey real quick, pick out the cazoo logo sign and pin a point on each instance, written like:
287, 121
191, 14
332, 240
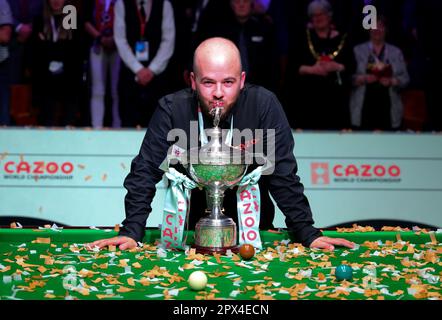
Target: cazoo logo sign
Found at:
37, 170
324, 173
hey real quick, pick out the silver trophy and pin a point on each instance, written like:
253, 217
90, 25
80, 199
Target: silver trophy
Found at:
216, 167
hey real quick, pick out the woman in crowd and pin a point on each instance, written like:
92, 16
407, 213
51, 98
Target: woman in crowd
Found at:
380, 75
56, 66
320, 66
104, 60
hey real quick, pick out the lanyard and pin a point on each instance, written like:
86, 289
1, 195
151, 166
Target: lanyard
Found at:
105, 17
55, 32
382, 54
203, 138
142, 21
107, 5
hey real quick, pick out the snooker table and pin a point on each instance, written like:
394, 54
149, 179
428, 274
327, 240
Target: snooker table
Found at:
53, 264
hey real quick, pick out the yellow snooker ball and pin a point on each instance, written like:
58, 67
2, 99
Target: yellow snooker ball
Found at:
197, 280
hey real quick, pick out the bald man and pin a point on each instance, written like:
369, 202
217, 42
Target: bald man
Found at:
218, 79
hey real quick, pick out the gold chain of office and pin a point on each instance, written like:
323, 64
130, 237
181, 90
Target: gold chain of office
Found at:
332, 55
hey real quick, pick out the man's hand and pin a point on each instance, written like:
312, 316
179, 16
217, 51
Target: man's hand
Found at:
370, 78
332, 66
5, 34
318, 70
108, 43
365, 79
144, 76
24, 33
329, 243
388, 82
121, 241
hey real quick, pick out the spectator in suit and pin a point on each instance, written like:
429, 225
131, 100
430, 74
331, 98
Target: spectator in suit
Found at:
5, 37
203, 16
255, 38
276, 13
177, 73
56, 66
103, 59
24, 12
144, 32
380, 75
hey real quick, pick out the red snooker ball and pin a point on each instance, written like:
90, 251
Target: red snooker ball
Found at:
247, 251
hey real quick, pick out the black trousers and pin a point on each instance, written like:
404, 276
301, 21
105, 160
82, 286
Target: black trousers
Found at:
57, 99
137, 103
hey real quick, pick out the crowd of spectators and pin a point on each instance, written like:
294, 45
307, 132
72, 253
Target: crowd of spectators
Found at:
329, 71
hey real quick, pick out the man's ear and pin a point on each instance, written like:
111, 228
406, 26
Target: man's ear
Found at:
243, 79
193, 81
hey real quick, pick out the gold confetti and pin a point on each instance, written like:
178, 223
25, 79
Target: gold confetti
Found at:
104, 296
112, 280
7, 268
84, 291
321, 294
131, 282
145, 281
117, 228
104, 177
356, 228
123, 263
235, 257
41, 269
122, 289
87, 178
433, 238
217, 257
410, 249
42, 240
431, 256
321, 276
81, 166
398, 229
98, 280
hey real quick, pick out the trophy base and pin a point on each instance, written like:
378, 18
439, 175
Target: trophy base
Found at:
211, 251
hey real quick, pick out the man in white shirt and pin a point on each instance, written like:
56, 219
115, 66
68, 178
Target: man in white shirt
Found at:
144, 32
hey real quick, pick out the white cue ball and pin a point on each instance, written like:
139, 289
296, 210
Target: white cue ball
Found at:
197, 280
